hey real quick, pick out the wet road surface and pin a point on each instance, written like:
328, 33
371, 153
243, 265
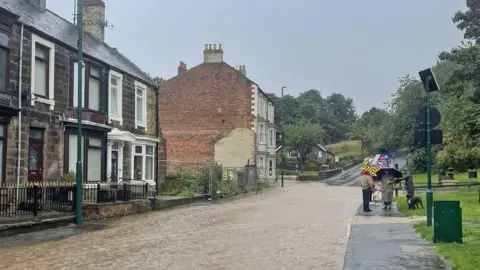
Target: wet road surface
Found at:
303, 226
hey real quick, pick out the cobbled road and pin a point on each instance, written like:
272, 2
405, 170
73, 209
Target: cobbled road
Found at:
302, 226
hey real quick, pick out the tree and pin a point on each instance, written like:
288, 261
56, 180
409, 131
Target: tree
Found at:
302, 137
372, 128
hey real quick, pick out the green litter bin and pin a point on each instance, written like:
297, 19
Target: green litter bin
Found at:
447, 222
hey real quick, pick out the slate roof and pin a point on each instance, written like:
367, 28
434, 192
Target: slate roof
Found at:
66, 32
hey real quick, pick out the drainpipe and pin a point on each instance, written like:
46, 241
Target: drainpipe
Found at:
20, 64
157, 133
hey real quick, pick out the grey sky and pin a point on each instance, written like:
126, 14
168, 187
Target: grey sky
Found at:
357, 48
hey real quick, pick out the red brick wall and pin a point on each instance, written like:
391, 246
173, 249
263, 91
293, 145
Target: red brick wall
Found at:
199, 107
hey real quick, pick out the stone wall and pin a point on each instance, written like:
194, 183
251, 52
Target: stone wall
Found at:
109, 210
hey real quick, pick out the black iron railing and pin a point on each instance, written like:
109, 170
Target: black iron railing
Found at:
35, 199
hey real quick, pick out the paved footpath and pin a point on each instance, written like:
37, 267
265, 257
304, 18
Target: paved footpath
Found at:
386, 240
303, 226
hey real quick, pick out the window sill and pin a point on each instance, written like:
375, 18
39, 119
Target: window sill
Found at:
139, 124
44, 101
115, 118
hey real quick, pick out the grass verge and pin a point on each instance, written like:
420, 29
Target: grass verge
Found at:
421, 178
462, 256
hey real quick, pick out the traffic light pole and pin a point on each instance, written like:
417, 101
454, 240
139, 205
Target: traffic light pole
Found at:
429, 158
79, 178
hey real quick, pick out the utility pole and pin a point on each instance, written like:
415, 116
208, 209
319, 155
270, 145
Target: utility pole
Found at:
79, 178
283, 134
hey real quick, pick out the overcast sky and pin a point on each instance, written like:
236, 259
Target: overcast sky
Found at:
357, 48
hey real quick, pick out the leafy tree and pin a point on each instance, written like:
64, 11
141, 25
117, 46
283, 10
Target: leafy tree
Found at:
302, 138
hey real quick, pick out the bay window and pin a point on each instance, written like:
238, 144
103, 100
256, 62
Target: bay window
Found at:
143, 166
115, 83
262, 133
92, 151
270, 138
140, 105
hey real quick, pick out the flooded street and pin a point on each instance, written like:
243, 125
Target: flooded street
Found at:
302, 226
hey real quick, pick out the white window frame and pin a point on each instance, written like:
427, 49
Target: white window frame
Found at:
144, 159
75, 85
144, 101
262, 133
119, 116
51, 72
270, 137
121, 145
262, 166
320, 153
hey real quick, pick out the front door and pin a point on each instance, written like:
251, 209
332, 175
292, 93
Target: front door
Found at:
35, 155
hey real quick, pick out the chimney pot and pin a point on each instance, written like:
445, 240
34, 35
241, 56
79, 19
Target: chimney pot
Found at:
242, 70
213, 55
182, 67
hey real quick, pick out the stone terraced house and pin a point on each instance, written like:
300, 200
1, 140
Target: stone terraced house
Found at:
38, 100
215, 113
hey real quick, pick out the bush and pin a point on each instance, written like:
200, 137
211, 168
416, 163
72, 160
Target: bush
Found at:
188, 183
460, 159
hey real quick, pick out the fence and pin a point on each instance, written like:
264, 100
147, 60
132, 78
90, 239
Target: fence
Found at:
114, 192
185, 178
35, 199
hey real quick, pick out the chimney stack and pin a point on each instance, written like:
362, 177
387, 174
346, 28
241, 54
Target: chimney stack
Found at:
94, 18
39, 3
212, 54
182, 67
242, 70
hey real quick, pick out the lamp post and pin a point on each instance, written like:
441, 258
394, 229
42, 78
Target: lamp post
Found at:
79, 178
429, 193
283, 133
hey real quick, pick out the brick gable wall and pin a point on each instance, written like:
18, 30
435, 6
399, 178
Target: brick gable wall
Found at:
199, 107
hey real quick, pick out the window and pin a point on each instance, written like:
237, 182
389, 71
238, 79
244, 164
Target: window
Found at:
3, 68
94, 88
91, 87
262, 133
143, 162
270, 167
140, 105
115, 96
75, 86
320, 153
2, 152
93, 164
42, 71
271, 137
262, 166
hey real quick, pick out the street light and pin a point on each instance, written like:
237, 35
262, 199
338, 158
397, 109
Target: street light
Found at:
78, 178
283, 134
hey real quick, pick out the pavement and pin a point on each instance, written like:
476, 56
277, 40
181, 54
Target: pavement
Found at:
384, 239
